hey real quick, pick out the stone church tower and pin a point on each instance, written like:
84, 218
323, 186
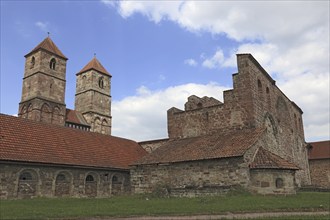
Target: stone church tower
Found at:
93, 97
43, 89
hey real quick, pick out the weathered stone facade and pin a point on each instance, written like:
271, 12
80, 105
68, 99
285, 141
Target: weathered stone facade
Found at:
24, 180
255, 101
272, 181
43, 90
320, 172
190, 175
93, 98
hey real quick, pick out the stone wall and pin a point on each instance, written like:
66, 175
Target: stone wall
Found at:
254, 101
267, 181
43, 89
320, 172
27, 181
192, 177
93, 100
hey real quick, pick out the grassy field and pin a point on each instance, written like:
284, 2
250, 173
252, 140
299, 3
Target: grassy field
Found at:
42, 208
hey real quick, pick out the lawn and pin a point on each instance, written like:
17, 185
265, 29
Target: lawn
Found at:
42, 208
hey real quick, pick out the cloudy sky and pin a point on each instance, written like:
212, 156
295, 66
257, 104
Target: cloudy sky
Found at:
161, 52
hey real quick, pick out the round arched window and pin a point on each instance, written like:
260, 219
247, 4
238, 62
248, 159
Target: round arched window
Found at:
89, 178
52, 63
25, 176
101, 83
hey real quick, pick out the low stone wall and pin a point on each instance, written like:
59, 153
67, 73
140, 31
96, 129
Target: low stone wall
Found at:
29, 180
190, 178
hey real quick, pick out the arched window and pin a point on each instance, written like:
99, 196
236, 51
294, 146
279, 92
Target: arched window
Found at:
115, 179
25, 176
101, 83
33, 61
84, 81
52, 64
29, 112
89, 178
60, 178
279, 183
45, 113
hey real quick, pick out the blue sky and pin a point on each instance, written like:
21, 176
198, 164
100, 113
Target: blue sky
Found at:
159, 53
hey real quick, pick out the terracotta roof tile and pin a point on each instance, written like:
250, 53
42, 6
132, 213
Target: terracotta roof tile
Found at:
30, 141
96, 65
75, 117
48, 45
230, 144
319, 150
267, 160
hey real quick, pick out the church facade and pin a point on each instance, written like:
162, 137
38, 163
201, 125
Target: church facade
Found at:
254, 139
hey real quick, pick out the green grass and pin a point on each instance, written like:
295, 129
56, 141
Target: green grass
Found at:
44, 208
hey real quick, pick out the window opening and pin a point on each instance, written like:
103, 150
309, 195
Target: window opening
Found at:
60, 178
101, 83
89, 178
25, 176
52, 64
33, 61
114, 179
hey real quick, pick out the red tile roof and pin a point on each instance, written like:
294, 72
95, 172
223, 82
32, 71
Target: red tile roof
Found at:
48, 45
230, 144
29, 141
319, 150
75, 117
96, 65
267, 160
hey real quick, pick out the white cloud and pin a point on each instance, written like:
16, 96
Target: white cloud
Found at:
43, 26
238, 20
191, 62
144, 115
216, 61
290, 39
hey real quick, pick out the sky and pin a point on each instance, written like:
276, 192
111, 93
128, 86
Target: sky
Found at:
161, 52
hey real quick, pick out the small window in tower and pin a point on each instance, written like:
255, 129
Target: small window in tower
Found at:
52, 64
101, 83
33, 61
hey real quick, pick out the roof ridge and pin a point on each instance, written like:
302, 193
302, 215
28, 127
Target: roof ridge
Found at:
48, 45
96, 65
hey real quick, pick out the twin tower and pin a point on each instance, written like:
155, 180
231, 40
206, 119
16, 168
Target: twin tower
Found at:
43, 91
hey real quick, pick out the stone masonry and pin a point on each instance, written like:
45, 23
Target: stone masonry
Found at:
254, 101
21, 180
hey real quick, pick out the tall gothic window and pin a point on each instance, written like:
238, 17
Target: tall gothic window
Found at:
52, 64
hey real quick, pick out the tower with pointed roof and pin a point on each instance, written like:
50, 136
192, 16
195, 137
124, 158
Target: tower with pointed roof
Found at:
93, 98
43, 89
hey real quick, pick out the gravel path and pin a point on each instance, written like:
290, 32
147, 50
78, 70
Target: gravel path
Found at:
222, 216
